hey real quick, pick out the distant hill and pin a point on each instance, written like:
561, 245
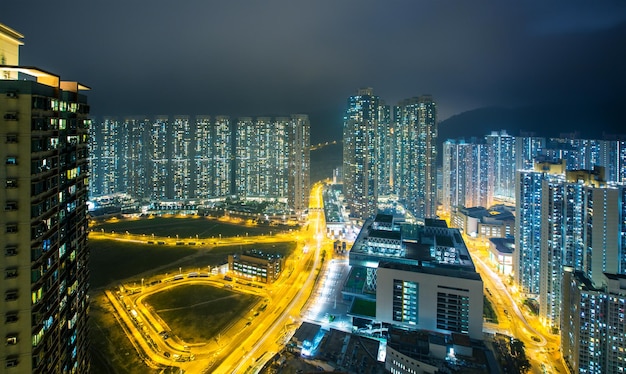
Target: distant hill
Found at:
324, 160
542, 120
546, 121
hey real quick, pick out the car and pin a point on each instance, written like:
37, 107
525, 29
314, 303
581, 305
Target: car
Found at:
166, 354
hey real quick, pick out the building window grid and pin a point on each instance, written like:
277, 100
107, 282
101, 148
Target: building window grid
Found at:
452, 312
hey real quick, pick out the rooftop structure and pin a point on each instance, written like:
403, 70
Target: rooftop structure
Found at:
411, 271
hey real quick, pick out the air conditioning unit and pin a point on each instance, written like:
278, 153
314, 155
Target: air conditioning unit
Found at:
10, 295
11, 362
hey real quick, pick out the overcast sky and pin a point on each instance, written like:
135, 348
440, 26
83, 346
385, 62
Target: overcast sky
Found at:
289, 56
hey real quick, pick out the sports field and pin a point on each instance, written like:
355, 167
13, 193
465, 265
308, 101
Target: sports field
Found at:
197, 313
185, 227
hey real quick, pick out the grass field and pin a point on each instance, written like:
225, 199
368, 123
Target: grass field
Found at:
114, 261
187, 227
489, 314
111, 261
197, 313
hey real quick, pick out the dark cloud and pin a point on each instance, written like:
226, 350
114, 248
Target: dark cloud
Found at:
283, 56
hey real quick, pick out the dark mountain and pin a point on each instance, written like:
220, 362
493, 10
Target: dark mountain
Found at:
595, 121
324, 160
540, 120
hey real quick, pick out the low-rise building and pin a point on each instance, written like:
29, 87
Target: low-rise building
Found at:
256, 265
501, 254
496, 222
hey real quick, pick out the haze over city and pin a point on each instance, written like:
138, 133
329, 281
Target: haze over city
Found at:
411, 187
275, 57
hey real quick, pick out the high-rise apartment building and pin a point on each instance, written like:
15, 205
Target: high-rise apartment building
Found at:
299, 163
158, 159
133, 144
604, 231
223, 180
503, 148
180, 159
467, 179
613, 158
360, 141
104, 157
570, 218
528, 215
44, 128
527, 149
183, 158
203, 163
562, 236
593, 333
416, 155
117, 157
246, 150
578, 153
385, 150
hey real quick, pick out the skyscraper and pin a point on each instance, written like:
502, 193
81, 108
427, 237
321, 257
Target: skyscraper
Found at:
416, 155
467, 175
44, 127
568, 218
223, 156
527, 149
299, 181
180, 159
104, 157
613, 158
360, 168
593, 334
503, 148
528, 216
133, 167
384, 150
203, 163
158, 159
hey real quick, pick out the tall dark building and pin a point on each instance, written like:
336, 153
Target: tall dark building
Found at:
416, 155
360, 142
44, 128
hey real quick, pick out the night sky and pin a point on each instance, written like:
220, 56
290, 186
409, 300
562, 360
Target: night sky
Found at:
281, 57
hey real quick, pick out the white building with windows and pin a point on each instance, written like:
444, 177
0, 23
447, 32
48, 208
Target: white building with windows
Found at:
442, 299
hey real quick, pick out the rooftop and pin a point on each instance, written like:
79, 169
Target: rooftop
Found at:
504, 245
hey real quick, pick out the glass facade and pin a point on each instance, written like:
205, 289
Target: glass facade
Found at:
405, 307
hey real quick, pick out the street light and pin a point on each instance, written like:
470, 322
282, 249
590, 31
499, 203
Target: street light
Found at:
141, 284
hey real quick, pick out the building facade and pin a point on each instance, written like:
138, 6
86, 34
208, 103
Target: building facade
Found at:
256, 265
468, 177
568, 218
593, 333
184, 158
44, 127
415, 178
502, 146
419, 277
360, 166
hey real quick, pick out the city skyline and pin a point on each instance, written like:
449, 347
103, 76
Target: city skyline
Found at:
278, 57
567, 217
